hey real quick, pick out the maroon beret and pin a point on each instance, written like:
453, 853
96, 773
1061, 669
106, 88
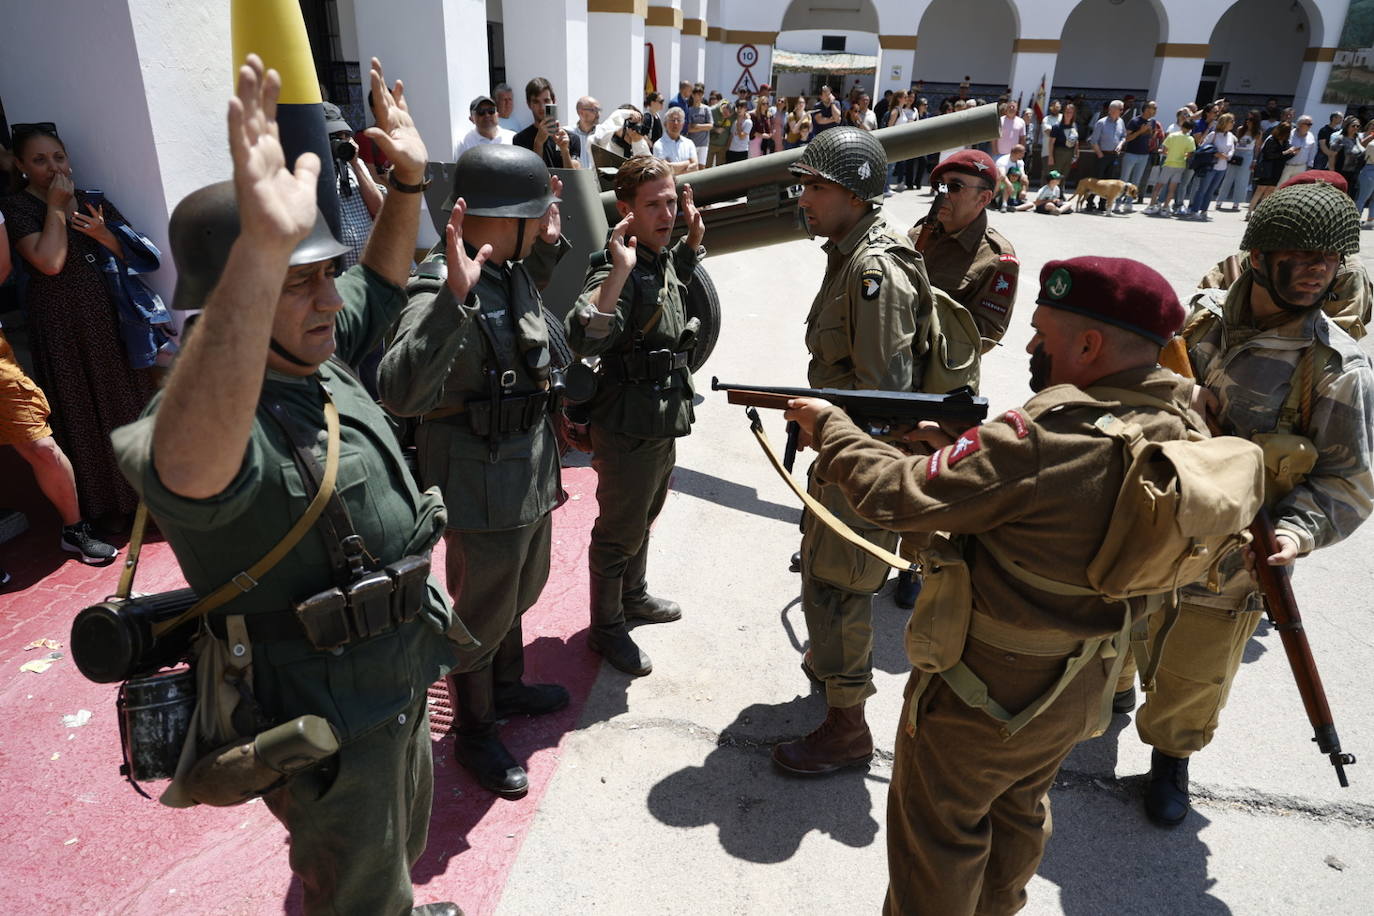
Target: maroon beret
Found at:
1116, 291
1312, 176
970, 162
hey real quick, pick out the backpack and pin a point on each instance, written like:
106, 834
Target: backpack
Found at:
948, 347
1203, 158
1183, 505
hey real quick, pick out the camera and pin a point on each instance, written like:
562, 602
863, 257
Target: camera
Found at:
343, 149
113, 641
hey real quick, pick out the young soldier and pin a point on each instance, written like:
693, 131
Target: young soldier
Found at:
223, 459
470, 357
1273, 363
860, 332
1033, 491
631, 313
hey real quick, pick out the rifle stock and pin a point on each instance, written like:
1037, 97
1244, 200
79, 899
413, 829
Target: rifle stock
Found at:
1283, 612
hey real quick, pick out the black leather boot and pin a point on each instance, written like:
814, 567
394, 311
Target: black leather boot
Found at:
907, 591
1123, 701
477, 742
1166, 798
608, 636
635, 598
511, 694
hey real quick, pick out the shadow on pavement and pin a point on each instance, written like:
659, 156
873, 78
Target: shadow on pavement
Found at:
731, 495
764, 816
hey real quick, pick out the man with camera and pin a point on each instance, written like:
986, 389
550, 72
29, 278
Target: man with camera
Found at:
471, 357
359, 198
345, 623
558, 148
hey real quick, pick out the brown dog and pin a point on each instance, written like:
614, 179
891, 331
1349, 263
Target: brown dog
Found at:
1109, 189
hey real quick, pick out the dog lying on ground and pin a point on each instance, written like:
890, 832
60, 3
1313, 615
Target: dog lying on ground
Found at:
1109, 189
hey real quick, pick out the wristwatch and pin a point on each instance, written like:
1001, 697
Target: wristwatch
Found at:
407, 188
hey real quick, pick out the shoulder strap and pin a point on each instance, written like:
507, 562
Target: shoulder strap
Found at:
247, 580
1035, 580
1296, 412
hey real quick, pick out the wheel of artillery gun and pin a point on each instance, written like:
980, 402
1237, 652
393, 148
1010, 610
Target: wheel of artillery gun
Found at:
560, 354
703, 304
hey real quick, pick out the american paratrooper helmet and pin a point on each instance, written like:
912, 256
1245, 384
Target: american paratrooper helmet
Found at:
848, 156
1303, 217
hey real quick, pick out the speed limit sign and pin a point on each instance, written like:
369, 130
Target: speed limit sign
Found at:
747, 56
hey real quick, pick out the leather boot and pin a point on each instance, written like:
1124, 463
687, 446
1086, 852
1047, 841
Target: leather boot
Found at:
795, 564
907, 591
608, 636
635, 597
511, 694
477, 743
842, 740
437, 909
1166, 798
1123, 701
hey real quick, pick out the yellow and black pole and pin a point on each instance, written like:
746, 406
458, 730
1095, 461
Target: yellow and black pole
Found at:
275, 31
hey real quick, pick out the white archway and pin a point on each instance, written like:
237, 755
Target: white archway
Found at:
821, 26
1257, 47
1108, 48
972, 38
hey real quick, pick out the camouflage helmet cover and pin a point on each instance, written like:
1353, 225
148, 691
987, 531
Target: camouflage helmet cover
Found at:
1305, 217
848, 156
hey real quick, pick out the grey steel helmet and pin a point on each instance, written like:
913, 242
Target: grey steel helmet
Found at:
848, 156
1304, 217
498, 179
203, 229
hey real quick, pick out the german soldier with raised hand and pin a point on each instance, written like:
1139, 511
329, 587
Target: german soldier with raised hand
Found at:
632, 313
861, 333
1013, 648
470, 356
227, 457
1278, 370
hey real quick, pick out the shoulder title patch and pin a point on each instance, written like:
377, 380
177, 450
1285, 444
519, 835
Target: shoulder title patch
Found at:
1017, 422
871, 282
933, 465
969, 441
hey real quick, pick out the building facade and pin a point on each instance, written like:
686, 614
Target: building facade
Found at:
141, 98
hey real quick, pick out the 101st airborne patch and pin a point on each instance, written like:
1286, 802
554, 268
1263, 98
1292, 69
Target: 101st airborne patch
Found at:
871, 282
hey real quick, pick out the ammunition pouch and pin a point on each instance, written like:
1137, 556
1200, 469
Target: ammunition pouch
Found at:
1288, 459
509, 415
368, 606
241, 770
656, 367
939, 624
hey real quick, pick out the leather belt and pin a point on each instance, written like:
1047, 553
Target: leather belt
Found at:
655, 366
269, 626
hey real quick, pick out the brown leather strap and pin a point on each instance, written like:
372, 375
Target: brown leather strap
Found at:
248, 579
126, 578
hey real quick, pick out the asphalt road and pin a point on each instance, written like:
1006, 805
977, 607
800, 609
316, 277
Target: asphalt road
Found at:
665, 801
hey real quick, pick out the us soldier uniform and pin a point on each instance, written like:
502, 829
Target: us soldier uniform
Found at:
478, 373
1292, 374
642, 405
860, 333
974, 263
1350, 303
1033, 491
359, 820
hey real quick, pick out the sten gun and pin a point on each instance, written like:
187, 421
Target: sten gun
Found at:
878, 413
1282, 609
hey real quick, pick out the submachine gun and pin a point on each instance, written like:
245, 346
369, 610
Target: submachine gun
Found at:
745, 205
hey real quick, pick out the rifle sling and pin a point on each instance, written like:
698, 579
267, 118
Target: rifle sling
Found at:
823, 514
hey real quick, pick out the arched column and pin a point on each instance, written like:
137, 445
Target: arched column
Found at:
548, 39
896, 64
663, 30
694, 40
615, 51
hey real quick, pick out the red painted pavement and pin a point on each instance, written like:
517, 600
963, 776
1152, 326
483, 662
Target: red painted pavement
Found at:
74, 837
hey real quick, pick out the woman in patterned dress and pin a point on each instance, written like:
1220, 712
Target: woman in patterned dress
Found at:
61, 238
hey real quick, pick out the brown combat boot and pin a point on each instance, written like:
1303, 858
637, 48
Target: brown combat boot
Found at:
843, 740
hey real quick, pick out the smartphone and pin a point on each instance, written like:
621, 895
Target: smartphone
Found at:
551, 112
95, 197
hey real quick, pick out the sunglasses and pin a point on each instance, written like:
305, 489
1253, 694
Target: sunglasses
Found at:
47, 128
484, 111
954, 186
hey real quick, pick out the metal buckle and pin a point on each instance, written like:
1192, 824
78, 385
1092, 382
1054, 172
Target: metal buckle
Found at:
90, 258
239, 580
508, 378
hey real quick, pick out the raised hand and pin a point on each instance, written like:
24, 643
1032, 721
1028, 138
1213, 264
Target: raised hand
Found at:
395, 133
463, 271
92, 223
276, 205
696, 224
623, 253
551, 226
60, 191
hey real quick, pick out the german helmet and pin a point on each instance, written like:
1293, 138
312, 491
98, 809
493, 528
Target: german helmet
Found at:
498, 179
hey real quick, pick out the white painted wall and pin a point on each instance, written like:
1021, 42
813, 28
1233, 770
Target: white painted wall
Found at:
947, 48
147, 124
549, 39
1108, 45
615, 63
809, 40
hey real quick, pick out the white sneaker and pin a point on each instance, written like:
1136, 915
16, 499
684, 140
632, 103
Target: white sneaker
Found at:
1151, 210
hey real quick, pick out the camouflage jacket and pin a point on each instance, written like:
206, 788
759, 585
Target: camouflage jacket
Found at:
1251, 372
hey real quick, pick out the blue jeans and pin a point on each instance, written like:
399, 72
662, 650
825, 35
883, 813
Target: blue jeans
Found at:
1133, 168
1366, 191
1237, 181
1207, 185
